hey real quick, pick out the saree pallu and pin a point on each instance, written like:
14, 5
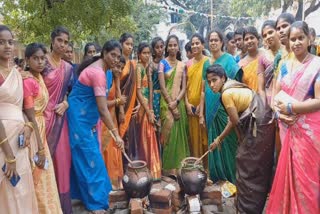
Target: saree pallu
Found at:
198, 141
297, 181
128, 88
222, 162
147, 146
254, 160
44, 180
58, 80
174, 133
89, 176
111, 153
22, 198
250, 73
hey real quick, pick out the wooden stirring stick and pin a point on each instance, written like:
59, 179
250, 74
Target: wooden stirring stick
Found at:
124, 152
197, 161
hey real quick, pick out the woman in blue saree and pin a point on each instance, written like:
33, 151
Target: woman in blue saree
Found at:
87, 103
222, 165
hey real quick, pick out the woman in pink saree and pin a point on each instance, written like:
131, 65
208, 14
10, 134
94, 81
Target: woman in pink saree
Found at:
296, 186
18, 197
57, 77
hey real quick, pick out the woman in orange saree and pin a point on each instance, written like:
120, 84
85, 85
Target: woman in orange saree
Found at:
20, 198
296, 183
35, 101
147, 147
128, 128
111, 153
198, 136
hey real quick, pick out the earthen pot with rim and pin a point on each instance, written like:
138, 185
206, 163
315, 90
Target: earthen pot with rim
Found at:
137, 180
192, 177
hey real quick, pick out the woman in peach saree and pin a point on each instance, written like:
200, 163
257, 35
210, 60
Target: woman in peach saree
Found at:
21, 198
36, 98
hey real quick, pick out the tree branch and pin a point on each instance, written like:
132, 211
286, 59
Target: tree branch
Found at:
176, 2
313, 7
286, 5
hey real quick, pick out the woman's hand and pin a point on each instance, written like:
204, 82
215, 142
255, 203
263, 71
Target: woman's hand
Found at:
136, 110
61, 108
189, 109
123, 100
27, 131
10, 170
214, 145
288, 119
172, 105
119, 142
176, 114
282, 107
41, 159
202, 121
151, 117
197, 110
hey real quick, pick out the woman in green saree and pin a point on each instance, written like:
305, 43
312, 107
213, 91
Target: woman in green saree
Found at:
221, 161
174, 135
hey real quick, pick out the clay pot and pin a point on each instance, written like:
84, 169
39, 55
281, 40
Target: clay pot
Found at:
137, 180
192, 177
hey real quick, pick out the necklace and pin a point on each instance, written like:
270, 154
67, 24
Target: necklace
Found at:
55, 63
4, 71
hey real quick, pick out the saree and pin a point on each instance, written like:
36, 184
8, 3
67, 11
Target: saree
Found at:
156, 102
128, 88
250, 73
198, 142
36, 96
111, 153
58, 80
222, 162
147, 147
254, 159
89, 176
296, 184
22, 198
174, 134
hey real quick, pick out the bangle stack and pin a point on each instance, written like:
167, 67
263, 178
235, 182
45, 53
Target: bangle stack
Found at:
10, 161
3, 141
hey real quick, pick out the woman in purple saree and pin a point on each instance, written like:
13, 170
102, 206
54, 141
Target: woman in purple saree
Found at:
58, 78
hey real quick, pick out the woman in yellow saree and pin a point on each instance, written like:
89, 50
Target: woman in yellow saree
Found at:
36, 98
249, 63
198, 135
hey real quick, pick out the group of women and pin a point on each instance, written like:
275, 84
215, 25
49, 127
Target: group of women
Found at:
63, 132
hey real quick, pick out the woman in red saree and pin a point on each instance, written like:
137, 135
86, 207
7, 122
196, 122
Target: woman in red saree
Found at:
297, 180
57, 77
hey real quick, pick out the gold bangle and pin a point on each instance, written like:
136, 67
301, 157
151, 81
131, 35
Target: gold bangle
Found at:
30, 125
117, 101
10, 161
3, 141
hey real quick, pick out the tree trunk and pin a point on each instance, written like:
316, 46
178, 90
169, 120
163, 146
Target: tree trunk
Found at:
313, 7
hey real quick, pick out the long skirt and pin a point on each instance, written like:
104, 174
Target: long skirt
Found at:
254, 160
